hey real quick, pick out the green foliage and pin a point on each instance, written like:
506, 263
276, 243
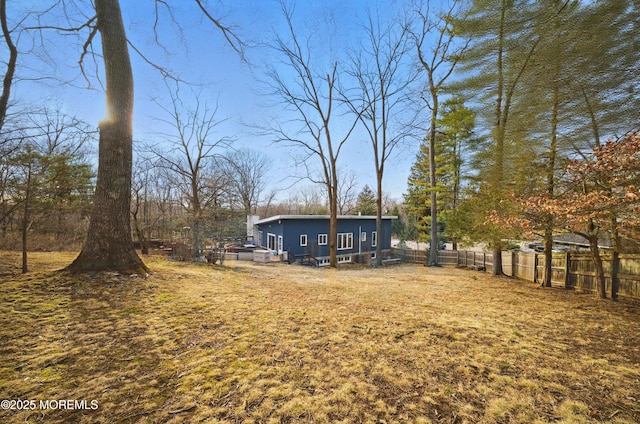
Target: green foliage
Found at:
46, 183
455, 135
366, 202
548, 80
398, 226
59, 186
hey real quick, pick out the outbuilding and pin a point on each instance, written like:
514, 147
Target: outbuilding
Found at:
307, 236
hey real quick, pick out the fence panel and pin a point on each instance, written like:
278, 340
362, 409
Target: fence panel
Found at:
558, 269
448, 257
410, 255
508, 259
568, 270
629, 275
525, 265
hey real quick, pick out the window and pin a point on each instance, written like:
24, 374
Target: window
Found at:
363, 236
322, 239
271, 241
345, 241
303, 239
374, 239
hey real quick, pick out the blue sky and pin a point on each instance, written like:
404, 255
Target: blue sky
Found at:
194, 50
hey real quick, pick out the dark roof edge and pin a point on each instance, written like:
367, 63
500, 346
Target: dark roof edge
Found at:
294, 217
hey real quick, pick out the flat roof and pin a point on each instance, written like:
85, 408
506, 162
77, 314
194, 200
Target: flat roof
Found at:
340, 217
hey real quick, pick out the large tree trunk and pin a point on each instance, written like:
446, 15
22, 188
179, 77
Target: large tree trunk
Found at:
25, 221
108, 245
601, 289
332, 189
497, 262
615, 258
548, 256
379, 219
11, 64
333, 235
553, 147
433, 242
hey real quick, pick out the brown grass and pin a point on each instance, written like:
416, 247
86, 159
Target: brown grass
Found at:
277, 343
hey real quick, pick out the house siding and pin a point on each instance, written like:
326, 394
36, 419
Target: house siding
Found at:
290, 228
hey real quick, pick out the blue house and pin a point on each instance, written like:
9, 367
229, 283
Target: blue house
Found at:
308, 236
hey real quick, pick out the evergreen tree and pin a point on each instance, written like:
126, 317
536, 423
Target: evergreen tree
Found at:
366, 202
50, 190
417, 198
501, 51
398, 226
455, 137
549, 79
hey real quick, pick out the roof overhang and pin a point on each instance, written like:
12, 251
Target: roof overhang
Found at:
320, 217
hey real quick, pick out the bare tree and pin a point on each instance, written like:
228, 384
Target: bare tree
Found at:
347, 186
438, 60
308, 199
108, 245
247, 174
145, 172
193, 158
268, 203
381, 70
311, 96
7, 81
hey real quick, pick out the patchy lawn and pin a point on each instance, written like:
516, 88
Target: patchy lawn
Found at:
282, 343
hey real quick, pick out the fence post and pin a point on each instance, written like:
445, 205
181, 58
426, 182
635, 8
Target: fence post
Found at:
513, 264
567, 269
535, 267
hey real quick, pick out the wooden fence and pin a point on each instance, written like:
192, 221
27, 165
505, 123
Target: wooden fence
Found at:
568, 270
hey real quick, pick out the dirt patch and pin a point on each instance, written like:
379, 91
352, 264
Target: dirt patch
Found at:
285, 343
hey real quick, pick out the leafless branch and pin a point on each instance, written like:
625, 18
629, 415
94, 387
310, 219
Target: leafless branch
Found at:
234, 41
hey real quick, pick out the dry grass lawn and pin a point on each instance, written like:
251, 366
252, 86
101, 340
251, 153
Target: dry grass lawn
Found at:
281, 343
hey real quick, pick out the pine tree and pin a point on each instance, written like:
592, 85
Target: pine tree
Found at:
501, 51
455, 136
366, 202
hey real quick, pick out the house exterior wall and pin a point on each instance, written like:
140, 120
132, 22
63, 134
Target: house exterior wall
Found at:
291, 229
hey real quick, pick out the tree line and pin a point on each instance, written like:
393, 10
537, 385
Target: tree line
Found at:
543, 86
500, 95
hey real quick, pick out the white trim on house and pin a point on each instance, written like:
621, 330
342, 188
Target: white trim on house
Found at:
342, 259
345, 241
271, 241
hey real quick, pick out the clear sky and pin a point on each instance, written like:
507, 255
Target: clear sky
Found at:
190, 47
